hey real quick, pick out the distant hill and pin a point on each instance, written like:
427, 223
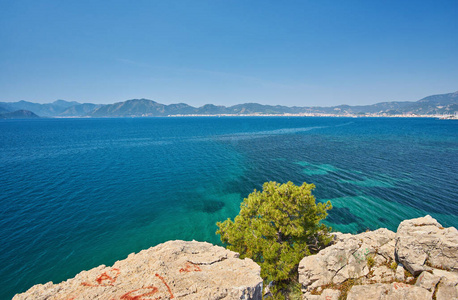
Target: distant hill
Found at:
445, 103
442, 99
3, 110
79, 110
44, 110
251, 108
149, 108
130, 108
431, 105
19, 114
180, 108
437, 104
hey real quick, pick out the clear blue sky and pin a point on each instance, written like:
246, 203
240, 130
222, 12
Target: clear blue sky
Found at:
228, 52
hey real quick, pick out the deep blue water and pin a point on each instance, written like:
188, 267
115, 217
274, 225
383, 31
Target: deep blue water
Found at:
77, 193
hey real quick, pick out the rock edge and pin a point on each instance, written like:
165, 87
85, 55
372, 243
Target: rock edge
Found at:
172, 270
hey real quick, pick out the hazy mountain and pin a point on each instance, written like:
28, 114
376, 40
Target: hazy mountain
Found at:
64, 104
180, 108
79, 110
435, 104
130, 108
3, 110
252, 108
19, 114
45, 110
210, 109
442, 99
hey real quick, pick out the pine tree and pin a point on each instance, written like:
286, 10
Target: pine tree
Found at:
277, 228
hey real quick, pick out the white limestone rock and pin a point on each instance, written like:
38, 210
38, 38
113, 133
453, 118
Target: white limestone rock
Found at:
400, 275
176, 269
423, 243
427, 281
347, 258
447, 289
327, 294
383, 274
385, 291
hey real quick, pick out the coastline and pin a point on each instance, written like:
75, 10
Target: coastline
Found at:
442, 117
418, 261
316, 115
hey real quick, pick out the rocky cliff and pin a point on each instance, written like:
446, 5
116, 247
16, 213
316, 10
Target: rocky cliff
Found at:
173, 270
419, 261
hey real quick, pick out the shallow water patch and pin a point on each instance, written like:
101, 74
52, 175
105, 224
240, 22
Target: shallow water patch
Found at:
211, 206
317, 169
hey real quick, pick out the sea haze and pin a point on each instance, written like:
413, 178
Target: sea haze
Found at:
77, 193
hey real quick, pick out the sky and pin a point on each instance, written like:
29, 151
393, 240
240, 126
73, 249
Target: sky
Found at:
294, 53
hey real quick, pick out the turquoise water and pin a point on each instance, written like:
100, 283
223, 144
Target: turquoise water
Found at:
77, 193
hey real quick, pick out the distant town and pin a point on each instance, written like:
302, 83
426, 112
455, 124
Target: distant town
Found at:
439, 116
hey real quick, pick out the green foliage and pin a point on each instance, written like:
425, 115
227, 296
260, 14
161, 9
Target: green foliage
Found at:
370, 261
291, 290
393, 266
277, 228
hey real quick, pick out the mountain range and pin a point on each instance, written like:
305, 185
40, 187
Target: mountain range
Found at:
19, 114
431, 105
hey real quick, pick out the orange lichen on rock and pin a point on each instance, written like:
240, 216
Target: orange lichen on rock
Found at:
190, 267
105, 277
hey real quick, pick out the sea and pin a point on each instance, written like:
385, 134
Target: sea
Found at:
78, 193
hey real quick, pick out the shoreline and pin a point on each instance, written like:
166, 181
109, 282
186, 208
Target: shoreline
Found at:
383, 264
441, 117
